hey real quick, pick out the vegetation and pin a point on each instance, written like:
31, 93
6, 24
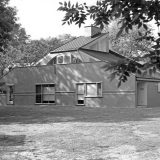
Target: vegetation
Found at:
16, 47
131, 14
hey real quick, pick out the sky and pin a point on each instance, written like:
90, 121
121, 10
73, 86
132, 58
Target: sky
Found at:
41, 19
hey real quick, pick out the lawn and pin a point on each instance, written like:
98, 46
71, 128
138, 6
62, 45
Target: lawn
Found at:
79, 133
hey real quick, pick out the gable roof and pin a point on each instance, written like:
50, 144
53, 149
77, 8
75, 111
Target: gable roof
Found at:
76, 43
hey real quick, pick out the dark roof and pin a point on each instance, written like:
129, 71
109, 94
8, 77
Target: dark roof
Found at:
76, 43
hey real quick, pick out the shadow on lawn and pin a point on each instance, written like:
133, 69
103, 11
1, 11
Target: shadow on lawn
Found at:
12, 140
52, 114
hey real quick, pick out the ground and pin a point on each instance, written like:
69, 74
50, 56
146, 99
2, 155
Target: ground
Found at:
79, 133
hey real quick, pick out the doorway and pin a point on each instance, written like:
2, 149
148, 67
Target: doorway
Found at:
141, 93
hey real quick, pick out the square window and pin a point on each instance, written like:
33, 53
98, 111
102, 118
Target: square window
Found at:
45, 93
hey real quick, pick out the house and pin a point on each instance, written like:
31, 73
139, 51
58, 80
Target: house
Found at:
73, 74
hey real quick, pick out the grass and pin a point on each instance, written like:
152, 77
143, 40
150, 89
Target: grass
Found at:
79, 133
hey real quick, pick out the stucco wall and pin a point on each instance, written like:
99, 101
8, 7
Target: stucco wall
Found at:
153, 96
2, 100
24, 81
65, 77
69, 75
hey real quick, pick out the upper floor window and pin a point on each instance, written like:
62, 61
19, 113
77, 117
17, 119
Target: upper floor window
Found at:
67, 59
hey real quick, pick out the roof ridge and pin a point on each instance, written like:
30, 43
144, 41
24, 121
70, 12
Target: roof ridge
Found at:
77, 43
65, 43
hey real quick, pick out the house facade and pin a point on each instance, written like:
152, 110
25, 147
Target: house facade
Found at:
73, 74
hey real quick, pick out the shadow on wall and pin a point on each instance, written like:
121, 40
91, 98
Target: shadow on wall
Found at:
69, 75
12, 140
65, 77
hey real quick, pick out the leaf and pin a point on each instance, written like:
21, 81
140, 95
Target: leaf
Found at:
121, 30
145, 26
69, 4
65, 4
112, 76
60, 3
140, 34
139, 24
119, 84
77, 5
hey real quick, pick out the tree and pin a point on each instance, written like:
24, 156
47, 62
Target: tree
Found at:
128, 44
37, 49
7, 23
131, 13
12, 36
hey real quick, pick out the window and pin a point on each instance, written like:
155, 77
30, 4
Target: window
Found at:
63, 59
80, 93
10, 94
45, 93
67, 59
93, 89
60, 59
88, 90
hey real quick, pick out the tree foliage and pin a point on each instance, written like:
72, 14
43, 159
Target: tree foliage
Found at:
7, 23
128, 44
12, 36
131, 13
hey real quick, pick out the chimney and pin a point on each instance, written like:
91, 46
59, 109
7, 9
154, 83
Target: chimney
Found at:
92, 31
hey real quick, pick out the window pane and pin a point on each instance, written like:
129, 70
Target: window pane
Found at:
49, 97
80, 88
91, 89
38, 98
80, 99
48, 93
60, 59
48, 90
38, 89
80, 102
67, 59
99, 89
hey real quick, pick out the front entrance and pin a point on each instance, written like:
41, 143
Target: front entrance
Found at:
141, 93
10, 94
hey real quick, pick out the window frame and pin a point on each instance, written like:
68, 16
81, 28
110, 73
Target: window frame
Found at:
42, 94
10, 102
158, 87
58, 58
97, 95
85, 91
64, 60
80, 94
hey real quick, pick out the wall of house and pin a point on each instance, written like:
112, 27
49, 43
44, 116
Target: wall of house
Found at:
69, 75
102, 44
3, 99
153, 96
65, 77
24, 81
